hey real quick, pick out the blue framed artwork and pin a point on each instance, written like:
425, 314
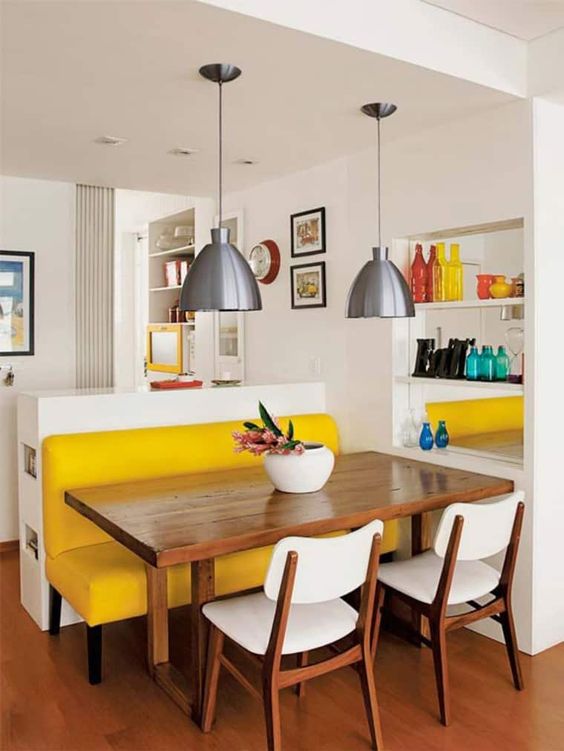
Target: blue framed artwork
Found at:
16, 302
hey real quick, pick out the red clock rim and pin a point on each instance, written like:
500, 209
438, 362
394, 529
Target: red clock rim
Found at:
274, 261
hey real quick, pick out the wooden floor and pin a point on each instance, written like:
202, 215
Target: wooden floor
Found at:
48, 705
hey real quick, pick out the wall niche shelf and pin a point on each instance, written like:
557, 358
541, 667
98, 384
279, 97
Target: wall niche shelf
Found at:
496, 248
514, 388
183, 251
463, 304
190, 324
165, 289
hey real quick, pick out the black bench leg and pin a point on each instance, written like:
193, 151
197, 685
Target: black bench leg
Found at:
94, 641
54, 611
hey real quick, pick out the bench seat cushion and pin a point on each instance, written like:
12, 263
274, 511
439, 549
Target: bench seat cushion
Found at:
106, 582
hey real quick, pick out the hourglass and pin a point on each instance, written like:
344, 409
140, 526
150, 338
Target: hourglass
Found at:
515, 340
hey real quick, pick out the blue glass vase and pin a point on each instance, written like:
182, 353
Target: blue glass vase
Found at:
441, 436
426, 437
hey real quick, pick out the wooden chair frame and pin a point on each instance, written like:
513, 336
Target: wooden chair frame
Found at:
499, 609
274, 678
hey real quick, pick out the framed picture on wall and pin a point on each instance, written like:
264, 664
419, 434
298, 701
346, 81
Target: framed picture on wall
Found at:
308, 232
308, 285
16, 302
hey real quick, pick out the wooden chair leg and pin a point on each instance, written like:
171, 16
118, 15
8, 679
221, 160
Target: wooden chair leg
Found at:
379, 604
368, 685
215, 650
510, 637
272, 712
438, 642
94, 642
55, 600
302, 662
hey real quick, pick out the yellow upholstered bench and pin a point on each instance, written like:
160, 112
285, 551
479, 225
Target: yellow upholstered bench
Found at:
102, 580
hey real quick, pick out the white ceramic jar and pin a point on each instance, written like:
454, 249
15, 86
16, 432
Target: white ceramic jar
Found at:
300, 473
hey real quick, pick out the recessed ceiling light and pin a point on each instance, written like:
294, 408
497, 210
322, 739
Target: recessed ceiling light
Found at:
110, 141
247, 162
183, 151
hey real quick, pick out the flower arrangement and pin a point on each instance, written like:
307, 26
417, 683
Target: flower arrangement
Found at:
268, 439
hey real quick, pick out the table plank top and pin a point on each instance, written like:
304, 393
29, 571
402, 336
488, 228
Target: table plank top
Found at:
193, 517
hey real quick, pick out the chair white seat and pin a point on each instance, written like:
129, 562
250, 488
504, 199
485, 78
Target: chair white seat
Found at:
248, 621
419, 576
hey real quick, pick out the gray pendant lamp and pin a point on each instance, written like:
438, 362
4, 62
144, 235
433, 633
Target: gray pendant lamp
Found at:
219, 277
379, 289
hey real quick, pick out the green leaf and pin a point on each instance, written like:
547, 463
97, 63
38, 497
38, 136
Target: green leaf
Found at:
290, 445
268, 421
251, 426
290, 430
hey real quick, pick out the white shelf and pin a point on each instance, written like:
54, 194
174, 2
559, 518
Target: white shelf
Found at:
168, 323
185, 249
516, 388
450, 457
459, 304
165, 289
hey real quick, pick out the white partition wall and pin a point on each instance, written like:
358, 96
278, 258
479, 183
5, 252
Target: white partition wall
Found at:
548, 368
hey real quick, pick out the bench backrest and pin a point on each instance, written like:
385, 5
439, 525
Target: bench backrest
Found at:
102, 458
472, 416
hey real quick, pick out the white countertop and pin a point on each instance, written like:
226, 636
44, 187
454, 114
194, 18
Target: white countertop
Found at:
146, 389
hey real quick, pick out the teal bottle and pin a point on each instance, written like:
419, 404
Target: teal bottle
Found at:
473, 365
441, 436
501, 365
426, 437
487, 364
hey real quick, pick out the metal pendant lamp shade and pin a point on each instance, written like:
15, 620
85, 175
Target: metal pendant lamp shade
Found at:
220, 278
379, 289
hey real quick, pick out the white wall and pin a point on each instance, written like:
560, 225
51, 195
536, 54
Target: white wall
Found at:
282, 344
468, 172
37, 215
548, 550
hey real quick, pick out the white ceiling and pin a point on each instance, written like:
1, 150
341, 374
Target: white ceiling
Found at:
74, 71
525, 19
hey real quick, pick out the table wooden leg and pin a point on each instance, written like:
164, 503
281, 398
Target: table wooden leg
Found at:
157, 617
420, 542
203, 590
420, 533
161, 670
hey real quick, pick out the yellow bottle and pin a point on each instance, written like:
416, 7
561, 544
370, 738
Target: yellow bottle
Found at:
440, 269
455, 276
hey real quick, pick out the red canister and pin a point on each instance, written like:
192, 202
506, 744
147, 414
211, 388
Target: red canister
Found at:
485, 281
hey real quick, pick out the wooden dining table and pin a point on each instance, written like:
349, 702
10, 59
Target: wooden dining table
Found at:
195, 518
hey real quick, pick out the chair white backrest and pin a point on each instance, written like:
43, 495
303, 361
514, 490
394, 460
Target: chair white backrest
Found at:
327, 567
486, 530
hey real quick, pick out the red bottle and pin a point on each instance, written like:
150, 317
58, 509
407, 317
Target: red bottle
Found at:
419, 276
430, 277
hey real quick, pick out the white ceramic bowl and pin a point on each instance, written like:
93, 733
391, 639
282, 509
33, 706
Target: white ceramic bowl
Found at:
300, 473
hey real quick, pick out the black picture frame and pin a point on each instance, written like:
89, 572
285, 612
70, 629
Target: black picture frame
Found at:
27, 301
319, 247
322, 303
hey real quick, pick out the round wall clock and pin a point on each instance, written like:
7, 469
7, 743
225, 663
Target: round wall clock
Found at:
264, 260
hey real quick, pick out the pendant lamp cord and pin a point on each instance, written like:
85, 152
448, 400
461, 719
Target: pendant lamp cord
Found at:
220, 153
379, 193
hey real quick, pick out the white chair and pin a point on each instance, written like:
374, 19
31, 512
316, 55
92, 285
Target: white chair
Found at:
300, 610
453, 573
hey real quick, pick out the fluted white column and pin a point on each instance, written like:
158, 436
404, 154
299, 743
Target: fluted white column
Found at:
94, 286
